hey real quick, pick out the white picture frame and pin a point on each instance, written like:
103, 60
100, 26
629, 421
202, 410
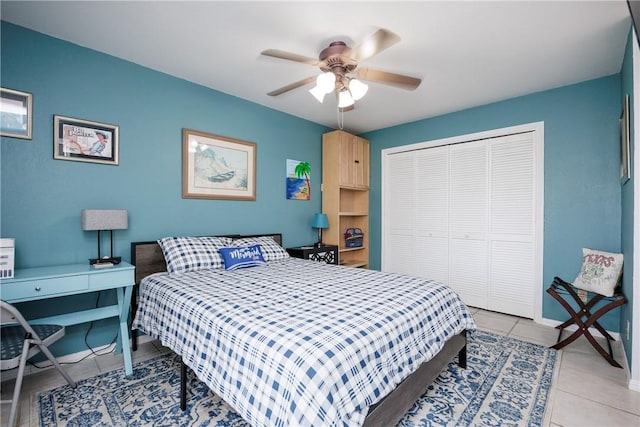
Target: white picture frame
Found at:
16, 114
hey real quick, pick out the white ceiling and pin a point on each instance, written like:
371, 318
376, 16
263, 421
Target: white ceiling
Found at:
467, 53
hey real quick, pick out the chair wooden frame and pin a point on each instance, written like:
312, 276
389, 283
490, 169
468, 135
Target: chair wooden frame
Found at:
32, 344
559, 288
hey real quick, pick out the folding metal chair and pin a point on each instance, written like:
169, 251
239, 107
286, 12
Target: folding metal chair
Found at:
19, 342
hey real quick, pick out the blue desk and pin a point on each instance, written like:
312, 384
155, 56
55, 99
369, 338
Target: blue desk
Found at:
31, 284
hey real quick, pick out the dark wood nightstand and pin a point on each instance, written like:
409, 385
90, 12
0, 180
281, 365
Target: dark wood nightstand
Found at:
324, 253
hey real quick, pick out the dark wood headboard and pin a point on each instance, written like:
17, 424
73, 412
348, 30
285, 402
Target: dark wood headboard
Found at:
148, 257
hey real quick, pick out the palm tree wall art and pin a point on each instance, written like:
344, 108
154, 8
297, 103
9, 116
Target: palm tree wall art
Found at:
298, 180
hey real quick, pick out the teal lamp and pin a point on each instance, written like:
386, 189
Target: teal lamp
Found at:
320, 221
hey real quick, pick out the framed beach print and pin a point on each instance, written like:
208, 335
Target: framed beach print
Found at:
217, 167
625, 161
16, 113
85, 141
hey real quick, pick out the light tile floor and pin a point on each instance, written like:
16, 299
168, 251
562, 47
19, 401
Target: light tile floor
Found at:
587, 392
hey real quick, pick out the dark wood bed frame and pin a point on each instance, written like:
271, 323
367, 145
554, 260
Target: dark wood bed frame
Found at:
148, 259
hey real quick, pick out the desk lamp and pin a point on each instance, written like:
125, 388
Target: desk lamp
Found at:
104, 220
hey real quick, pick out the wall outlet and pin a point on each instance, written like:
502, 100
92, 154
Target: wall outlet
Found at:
628, 330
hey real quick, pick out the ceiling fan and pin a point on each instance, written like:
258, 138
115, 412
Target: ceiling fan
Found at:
340, 73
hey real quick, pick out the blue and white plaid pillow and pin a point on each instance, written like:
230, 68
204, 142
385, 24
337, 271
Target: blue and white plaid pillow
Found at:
184, 254
241, 257
271, 250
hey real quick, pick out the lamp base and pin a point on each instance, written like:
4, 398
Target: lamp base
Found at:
112, 260
319, 242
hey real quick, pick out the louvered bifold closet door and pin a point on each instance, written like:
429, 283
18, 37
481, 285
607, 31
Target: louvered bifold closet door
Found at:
399, 213
512, 224
467, 215
469, 222
431, 231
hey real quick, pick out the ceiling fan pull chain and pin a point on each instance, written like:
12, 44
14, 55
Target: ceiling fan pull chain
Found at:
340, 118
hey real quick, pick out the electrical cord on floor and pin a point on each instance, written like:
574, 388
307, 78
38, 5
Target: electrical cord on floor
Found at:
110, 347
92, 353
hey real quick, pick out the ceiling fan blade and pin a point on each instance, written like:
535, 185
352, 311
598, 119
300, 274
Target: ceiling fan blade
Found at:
292, 86
392, 79
374, 44
281, 54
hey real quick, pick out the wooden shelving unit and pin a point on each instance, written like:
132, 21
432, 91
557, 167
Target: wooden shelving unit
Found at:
345, 193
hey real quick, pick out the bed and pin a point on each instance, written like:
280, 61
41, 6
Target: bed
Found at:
297, 342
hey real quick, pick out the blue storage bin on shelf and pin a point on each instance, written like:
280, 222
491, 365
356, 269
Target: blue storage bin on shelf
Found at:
353, 238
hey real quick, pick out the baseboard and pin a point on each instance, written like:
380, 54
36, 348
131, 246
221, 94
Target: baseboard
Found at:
594, 331
625, 366
631, 383
69, 359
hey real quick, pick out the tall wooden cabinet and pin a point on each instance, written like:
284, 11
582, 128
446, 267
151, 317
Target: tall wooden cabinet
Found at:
345, 193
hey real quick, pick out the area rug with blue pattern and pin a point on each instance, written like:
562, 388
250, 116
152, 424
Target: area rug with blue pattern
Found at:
507, 383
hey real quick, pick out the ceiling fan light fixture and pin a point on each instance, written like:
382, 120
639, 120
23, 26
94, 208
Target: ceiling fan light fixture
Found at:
357, 89
318, 93
327, 81
345, 99
338, 61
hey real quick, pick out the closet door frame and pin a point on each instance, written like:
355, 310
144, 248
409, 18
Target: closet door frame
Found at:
537, 129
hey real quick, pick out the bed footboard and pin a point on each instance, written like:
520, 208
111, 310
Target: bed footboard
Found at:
392, 408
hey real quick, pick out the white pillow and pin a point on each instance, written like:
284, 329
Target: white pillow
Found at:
600, 272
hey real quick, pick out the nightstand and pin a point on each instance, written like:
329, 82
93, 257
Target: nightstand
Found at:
324, 253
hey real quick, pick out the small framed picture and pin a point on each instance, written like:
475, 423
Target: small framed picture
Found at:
16, 112
217, 167
84, 141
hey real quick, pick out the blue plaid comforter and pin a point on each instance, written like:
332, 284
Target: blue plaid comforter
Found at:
300, 343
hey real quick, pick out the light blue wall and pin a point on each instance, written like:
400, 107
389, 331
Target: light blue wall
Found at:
582, 186
41, 198
627, 207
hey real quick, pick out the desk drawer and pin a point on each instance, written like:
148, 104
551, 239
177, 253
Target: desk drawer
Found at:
111, 279
41, 288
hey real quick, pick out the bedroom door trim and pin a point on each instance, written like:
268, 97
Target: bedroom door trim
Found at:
634, 380
537, 130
